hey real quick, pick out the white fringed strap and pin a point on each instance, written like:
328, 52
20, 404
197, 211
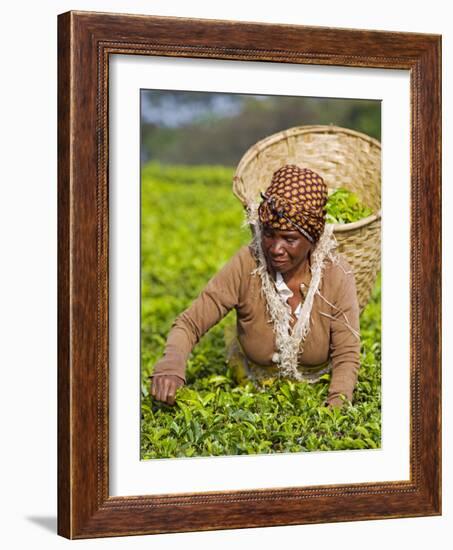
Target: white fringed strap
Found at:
289, 342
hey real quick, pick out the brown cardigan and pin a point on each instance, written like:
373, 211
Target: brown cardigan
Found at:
234, 286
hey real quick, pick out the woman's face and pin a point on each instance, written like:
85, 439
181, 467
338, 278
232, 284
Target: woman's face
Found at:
285, 251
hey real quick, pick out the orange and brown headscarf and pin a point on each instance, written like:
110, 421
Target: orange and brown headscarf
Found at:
295, 199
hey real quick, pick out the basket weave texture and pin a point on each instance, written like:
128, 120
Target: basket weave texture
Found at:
343, 158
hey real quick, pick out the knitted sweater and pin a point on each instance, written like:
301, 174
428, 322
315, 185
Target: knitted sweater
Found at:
335, 311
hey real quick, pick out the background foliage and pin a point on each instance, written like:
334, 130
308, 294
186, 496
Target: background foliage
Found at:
180, 127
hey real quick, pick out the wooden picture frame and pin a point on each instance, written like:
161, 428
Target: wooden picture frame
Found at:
85, 42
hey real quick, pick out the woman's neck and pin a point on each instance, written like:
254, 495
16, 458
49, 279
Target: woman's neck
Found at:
298, 274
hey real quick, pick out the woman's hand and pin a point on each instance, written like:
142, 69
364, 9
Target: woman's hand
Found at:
164, 386
336, 401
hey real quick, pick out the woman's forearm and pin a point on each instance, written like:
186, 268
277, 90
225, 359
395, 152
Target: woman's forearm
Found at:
343, 381
345, 338
218, 297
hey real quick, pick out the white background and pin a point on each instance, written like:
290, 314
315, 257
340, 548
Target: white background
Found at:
28, 218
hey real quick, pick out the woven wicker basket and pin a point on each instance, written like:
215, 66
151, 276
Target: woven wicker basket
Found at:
344, 158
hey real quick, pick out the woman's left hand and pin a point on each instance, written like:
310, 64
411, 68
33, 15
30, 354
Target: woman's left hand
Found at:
335, 402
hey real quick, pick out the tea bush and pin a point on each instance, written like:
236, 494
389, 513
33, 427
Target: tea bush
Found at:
191, 225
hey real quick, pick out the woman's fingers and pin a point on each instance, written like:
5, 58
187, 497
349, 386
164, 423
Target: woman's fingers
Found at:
335, 402
164, 388
171, 392
173, 384
160, 396
157, 387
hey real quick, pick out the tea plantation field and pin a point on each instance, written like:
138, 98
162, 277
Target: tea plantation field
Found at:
191, 225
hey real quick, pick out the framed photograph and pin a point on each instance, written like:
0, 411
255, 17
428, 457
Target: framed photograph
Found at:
169, 130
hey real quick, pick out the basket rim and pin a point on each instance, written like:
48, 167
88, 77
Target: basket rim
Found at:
264, 143
261, 145
343, 227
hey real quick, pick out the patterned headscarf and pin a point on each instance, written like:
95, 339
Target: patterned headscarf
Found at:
295, 199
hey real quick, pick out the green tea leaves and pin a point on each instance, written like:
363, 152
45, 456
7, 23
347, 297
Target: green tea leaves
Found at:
344, 206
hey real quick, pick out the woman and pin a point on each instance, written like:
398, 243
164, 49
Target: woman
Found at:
296, 301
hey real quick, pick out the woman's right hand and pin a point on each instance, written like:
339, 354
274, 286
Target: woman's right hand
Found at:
164, 386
